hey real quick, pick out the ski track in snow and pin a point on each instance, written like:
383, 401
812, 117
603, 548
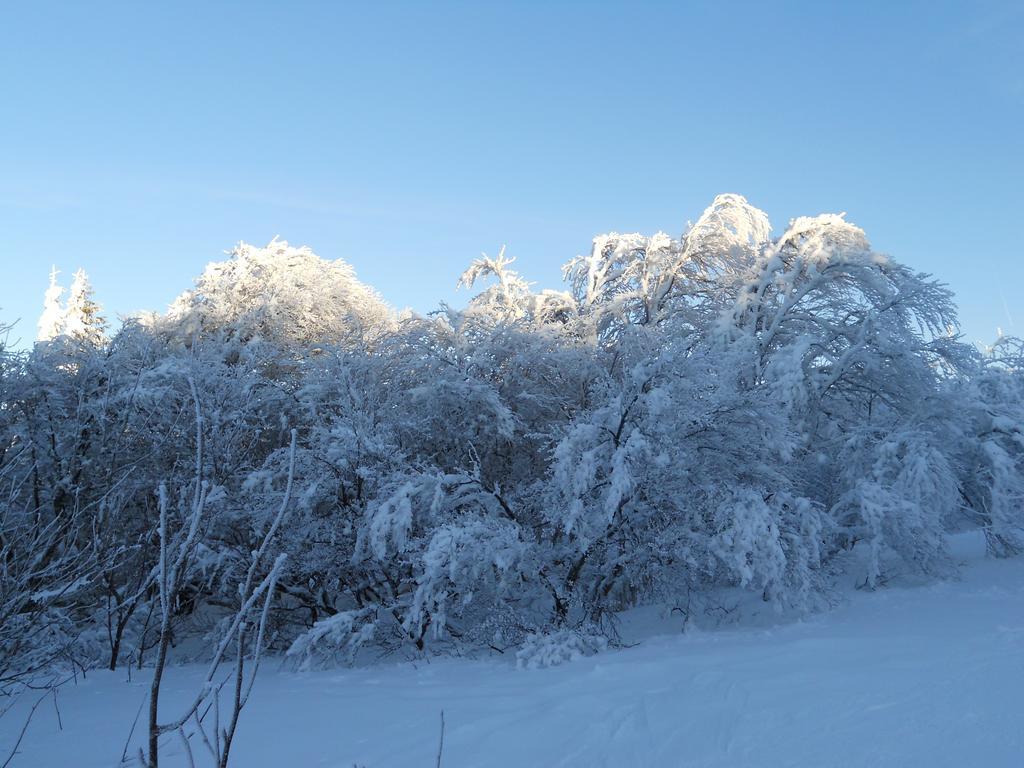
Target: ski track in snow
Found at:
914, 676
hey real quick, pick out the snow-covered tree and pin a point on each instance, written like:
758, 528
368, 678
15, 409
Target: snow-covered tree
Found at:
82, 319
280, 296
992, 442
52, 320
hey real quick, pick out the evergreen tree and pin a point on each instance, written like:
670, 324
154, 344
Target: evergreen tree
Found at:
52, 321
82, 318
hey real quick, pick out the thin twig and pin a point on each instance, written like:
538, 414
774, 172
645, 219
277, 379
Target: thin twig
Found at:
31, 712
60, 724
440, 747
124, 752
188, 748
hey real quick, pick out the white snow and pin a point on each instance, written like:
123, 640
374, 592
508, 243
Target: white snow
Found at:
902, 676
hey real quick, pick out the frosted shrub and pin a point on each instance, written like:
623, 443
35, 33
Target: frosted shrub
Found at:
551, 649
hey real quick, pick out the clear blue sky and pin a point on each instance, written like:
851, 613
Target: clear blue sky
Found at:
141, 140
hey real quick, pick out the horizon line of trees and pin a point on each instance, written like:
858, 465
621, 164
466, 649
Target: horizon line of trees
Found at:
724, 409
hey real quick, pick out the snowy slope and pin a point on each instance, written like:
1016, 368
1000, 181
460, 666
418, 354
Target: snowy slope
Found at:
926, 676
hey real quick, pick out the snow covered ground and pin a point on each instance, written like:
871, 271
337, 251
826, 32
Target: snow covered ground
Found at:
905, 676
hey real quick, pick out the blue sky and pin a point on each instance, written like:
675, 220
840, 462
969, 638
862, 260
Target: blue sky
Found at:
141, 140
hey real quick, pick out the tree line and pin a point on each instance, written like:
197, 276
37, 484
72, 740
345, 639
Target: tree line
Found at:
728, 408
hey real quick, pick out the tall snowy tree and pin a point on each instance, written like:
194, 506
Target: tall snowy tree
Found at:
82, 318
52, 321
